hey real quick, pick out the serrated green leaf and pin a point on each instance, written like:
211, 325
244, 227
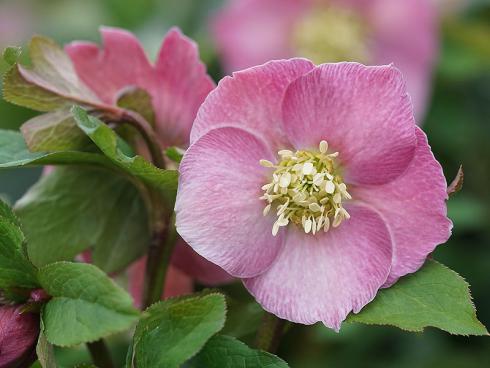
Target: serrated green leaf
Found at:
45, 351
11, 54
50, 84
54, 131
165, 181
227, 352
138, 100
176, 329
434, 296
15, 268
73, 209
14, 153
86, 305
243, 318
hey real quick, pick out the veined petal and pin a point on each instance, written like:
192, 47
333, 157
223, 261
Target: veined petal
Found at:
181, 86
251, 99
120, 63
218, 210
414, 208
326, 276
363, 112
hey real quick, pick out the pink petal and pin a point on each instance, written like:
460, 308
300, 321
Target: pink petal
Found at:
181, 86
219, 213
324, 277
122, 62
414, 208
362, 112
197, 267
251, 32
251, 99
176, 283
406, 34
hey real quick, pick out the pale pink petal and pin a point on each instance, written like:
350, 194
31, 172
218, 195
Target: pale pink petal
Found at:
176, 283
326, 276
181, 85
120, 63
218, 210
414, 208
406, 33
197, 267
251, 32
363, 112
251, 99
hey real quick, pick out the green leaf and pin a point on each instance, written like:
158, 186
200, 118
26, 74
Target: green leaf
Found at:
73, 209
50, 84
434, 296
45, 351
86, 305
138, 100
11, 54
227, 352
176, 329
175, 154
54, 131
14, 153
165, 181
243, 318
15, 268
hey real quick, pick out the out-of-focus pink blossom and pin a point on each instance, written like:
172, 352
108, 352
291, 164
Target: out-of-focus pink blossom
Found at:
313, 184
18, 336
251, 32
177, 83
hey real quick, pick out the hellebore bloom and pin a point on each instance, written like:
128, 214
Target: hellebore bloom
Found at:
312, 184
177, 83
18, 336
251, 32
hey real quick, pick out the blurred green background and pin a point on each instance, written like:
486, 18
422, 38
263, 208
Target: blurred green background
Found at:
457, 123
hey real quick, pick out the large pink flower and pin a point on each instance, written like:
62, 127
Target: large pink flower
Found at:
251, 32
353, 200
177, 83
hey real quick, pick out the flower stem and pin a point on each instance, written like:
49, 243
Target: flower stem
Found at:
100, 354
158, 259
270, 333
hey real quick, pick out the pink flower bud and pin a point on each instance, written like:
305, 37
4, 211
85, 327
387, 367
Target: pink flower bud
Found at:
18, 336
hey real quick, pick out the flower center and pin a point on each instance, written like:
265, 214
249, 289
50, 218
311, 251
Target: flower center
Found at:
306, 189
332, 34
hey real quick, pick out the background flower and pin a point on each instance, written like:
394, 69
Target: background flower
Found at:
251, 32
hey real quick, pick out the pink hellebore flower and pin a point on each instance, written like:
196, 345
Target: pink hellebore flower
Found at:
18, 337
251, 32
353, 200
177, 83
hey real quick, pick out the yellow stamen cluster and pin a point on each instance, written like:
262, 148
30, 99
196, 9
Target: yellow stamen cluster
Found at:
306, 189
331, 34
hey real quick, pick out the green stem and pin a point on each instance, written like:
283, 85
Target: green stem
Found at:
158, 259
270, 333
100, 354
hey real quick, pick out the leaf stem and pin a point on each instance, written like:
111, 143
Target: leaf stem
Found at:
100, 354
148, 135
270, 332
